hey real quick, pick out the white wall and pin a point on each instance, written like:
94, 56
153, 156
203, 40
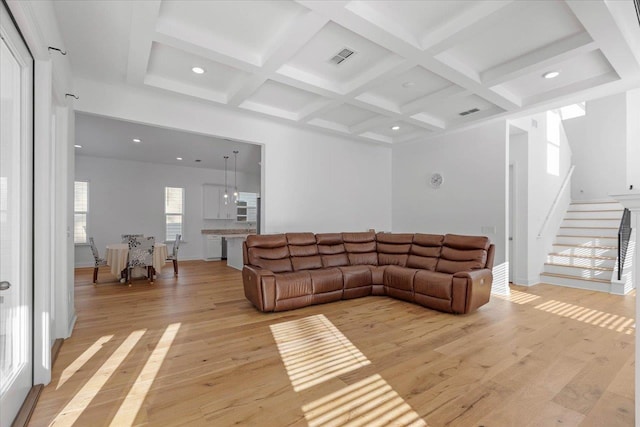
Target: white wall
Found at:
128, 197
544, 187
474, 165
311, 181
599, 144
633, 139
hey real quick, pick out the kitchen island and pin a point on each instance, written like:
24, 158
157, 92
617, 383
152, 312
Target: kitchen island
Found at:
234, 239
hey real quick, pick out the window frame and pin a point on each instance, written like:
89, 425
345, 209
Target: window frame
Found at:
182, 216
86, 213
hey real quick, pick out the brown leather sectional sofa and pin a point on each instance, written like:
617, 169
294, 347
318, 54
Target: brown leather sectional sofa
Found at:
449, 273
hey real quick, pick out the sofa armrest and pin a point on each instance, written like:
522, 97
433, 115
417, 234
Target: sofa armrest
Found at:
259, 287
471, 289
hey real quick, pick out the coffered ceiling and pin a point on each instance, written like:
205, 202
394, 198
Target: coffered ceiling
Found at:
415, 67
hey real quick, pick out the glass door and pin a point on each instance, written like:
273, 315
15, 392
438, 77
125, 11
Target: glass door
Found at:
16, 226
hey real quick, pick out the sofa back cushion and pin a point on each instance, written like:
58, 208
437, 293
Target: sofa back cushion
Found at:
425, 251
461, 253
361, 248
331, 249
269, 251
303, 251
393, 249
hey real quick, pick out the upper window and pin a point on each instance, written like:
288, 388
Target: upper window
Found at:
173, 211
80, 211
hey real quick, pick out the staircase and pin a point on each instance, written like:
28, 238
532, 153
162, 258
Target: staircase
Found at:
586, 247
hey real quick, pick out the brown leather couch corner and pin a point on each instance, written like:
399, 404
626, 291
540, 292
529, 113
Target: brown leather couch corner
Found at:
450, 273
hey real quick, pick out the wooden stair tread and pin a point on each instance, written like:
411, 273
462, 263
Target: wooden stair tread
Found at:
594, 202
585, 247
588, 237
597, 210
610, 258
579, 266
590, 228
592, 219
567, 276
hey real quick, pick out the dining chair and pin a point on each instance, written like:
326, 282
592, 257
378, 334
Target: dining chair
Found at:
98, 262
173, 256
141, 255
126, 237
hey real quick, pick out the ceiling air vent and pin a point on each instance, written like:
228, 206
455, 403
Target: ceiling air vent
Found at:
341, 56
473, 110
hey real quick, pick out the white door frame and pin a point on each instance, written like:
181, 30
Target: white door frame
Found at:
22, 380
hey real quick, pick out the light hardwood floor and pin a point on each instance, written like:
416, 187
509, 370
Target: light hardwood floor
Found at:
192, 351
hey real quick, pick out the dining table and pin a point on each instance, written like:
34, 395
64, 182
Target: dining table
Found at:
117, 255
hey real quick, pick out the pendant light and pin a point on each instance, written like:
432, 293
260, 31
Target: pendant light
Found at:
235, 177
226, 193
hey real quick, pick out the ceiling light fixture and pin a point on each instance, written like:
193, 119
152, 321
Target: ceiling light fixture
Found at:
408, 84
198, 70
136, 140
178, 158
235, 175
551, 74
226, 193
78, 146
396, 127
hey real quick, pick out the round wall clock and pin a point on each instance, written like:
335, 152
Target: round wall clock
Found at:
436, 180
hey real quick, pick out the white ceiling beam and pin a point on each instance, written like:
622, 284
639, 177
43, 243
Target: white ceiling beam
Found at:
315, 109
433, 99
467, 25
602, 79
365, 10
143, 22
427, 121
359, 25
184, 88
288, 44
465, 21
538, 60
372, 123
176, 41
597, 19
244, 89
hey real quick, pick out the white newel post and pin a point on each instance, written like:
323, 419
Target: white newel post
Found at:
631, 201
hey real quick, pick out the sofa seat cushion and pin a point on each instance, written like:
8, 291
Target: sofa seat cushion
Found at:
292, 285
377, 274
398, 282
399, 277
326, 280
434, 284
355, 276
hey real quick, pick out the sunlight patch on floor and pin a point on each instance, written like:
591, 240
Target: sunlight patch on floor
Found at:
72, 411
314, 350
518, 297
129, 408
594, 317
70, 370
370, 402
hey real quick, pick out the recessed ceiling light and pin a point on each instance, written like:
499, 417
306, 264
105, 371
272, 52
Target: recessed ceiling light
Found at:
551, 74
136, 140
78, 146
198, 70
396, 127
408, 84
178, 158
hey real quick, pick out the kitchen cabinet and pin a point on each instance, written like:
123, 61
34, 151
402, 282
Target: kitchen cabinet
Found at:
213, 206
247, 208
212, 249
